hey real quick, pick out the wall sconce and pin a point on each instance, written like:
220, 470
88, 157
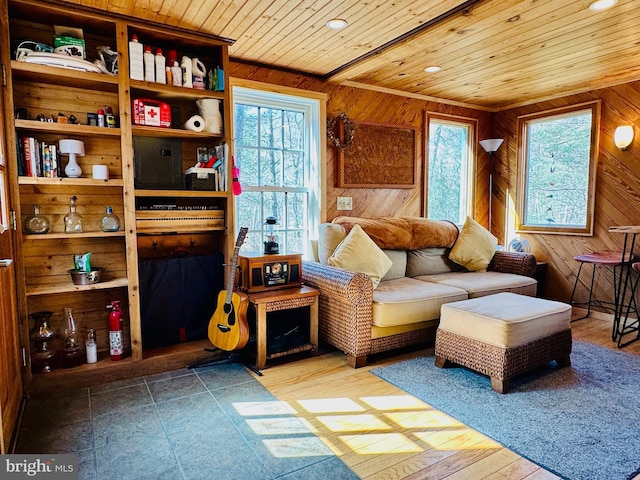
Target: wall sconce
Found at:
623, 136
490, 145
72, 148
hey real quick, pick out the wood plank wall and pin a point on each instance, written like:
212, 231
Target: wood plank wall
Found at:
617, 199
363, 105
617, 184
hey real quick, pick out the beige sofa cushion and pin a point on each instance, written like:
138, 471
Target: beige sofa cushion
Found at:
427, 261
480, 284
399, 264
358, 253
380, 332
505, 319
406, 300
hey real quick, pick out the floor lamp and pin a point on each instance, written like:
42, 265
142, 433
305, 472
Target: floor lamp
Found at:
490, 145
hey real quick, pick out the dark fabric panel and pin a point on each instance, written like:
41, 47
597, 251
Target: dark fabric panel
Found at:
178, 297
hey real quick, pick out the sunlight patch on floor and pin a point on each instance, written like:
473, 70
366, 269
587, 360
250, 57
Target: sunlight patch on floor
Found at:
331, 405
396, 424
380, 443
456, 439
423, 419
297, 447
280, 426
254, 409
353, 423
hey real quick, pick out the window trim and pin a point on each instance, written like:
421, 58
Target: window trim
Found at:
472, 125
523, 122
318, 188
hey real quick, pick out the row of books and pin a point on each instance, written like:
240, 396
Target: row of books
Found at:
37, 159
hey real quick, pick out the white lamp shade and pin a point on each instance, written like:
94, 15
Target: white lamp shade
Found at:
69, 145
72, 148
490, 145
623, 136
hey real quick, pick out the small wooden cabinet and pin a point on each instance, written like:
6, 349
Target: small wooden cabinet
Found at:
279, 300
42, 260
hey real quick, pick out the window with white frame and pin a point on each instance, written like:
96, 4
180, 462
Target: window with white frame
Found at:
276, 147
556, 169
450, 167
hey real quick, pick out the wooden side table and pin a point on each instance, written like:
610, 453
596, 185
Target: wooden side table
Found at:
541, 276
284, 299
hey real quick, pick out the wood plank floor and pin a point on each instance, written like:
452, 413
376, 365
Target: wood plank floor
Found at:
373, 426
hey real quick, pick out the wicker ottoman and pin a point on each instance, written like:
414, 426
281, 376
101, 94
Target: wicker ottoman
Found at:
504, 335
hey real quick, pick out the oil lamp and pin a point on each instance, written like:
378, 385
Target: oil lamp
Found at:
71, 355
42, 336
271, 239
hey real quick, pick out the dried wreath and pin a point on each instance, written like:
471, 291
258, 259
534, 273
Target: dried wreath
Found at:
349, 131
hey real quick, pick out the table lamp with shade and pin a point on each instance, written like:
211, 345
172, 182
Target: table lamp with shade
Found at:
72, 148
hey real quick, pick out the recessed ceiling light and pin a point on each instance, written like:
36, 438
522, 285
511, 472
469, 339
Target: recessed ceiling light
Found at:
433, 69
600, 5
336, 24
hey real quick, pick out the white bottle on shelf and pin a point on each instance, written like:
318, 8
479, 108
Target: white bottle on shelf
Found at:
149, 65
187, 79
161, 74
136, 62
176, 75
92, 350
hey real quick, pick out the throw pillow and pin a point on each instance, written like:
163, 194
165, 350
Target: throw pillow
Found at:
358, 253
329, 237
475, 246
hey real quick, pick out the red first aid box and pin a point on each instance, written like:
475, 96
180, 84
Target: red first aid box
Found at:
151, 112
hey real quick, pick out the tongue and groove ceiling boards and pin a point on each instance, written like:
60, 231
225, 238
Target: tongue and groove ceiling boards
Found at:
493, 54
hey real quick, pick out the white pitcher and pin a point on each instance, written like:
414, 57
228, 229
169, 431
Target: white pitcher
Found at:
210, 111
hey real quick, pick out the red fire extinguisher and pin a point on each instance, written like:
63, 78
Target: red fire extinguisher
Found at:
116, 348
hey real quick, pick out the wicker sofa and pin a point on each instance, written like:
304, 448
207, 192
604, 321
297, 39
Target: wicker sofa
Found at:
404, 309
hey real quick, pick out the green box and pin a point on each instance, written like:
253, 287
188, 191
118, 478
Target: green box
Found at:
69, 46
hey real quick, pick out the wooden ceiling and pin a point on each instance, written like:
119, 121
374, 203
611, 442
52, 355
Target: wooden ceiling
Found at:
494, 54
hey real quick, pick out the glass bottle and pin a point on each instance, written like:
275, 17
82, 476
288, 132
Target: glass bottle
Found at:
71, 355
91, 347
110, 222
73, 220
36, 223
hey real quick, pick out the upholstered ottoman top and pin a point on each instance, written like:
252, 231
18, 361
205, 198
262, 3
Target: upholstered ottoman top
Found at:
505, 319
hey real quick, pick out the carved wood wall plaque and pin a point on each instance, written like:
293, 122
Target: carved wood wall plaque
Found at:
381, 156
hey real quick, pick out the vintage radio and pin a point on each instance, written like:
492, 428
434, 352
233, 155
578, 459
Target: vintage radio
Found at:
259, 272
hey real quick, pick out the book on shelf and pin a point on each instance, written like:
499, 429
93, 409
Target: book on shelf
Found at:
37, 158
21, 164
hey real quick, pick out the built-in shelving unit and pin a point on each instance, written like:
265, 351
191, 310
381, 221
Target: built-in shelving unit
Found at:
43, 260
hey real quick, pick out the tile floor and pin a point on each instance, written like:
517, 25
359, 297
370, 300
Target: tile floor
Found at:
211, 423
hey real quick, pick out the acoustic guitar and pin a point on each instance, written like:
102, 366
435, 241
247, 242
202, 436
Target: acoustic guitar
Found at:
228, 327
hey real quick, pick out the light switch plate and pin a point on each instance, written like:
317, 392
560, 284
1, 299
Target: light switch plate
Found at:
344, 203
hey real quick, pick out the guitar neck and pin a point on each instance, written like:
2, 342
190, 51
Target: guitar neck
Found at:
232, 275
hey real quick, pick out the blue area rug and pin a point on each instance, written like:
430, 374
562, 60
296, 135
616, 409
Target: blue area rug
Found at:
581, 422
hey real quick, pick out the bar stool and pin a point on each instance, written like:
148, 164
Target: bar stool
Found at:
606, 258
627, 324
